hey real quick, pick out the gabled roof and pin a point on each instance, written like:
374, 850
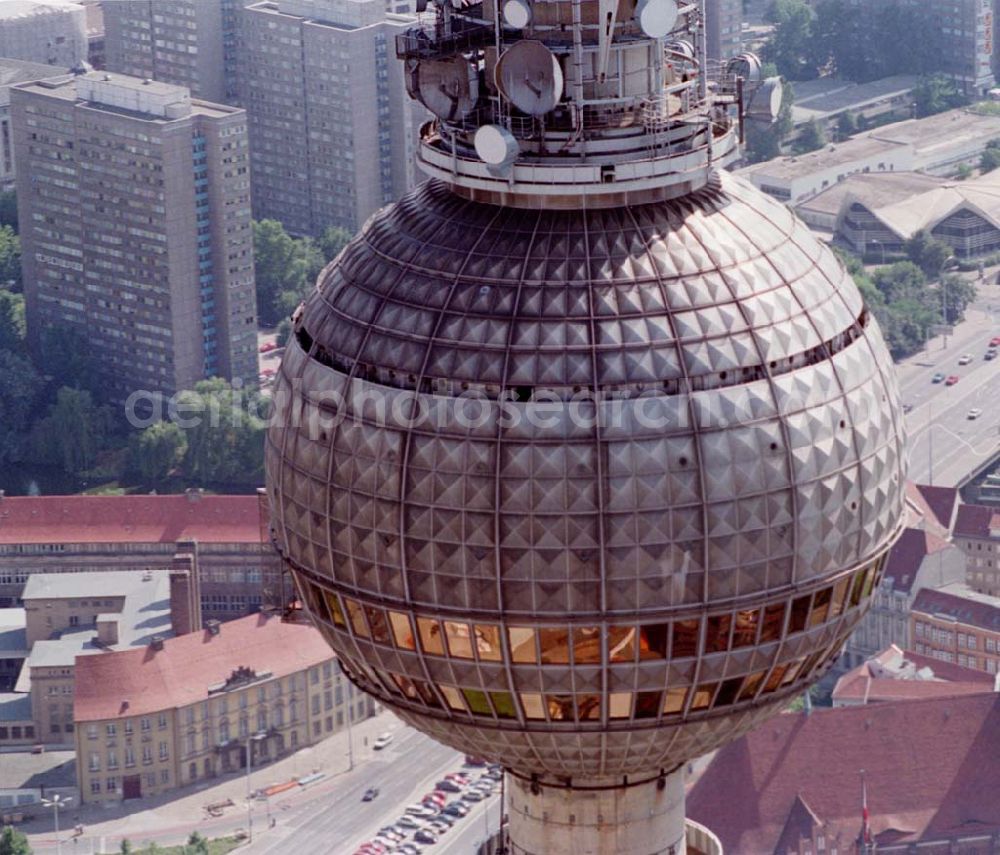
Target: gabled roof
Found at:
908, 553
144, 681
57, 520
934, 505
976, 521
925, 764
960, 603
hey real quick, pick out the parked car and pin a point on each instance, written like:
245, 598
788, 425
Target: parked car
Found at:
458, 777
370, 793
391, 832
420, 810
974, 413
438, 826
408, 849
426, 837
995, 341
268, 346
408, 822
937, 378
448, 786
382, 740
456, 808
473, 795
471, 760
952, 380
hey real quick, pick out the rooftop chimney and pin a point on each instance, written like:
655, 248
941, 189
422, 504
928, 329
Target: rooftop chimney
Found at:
185, 605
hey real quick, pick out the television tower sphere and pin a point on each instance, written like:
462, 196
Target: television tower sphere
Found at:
587, 459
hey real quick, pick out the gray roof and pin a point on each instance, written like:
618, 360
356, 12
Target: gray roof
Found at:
872, 189
63, 586
15, 706
826, 97
21, 71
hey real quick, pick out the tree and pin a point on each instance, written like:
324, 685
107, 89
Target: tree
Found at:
10, 258
847, 124
197, 844
928, 253
126, 847
284, 332
791, 47
332, 241
965, 171
285, 269
935, 93
990, 158
8, 209
11, 321
811, 137
70, 435
956, 294
19, 384
66, 357
13, 842
156, 451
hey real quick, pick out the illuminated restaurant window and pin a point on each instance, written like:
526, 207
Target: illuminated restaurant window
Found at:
553, 645
821, 605
621, 643
839, 597
402, 630
522, 644
378, 624
774, 621
356, 616
702, 699
751, 684
336, 612
406, 686
560, 707
653, 640
477, 702
619, 705
587, 645
503, 703
857, 588
745, 627
459, 639
426, 693
533, 706
488, 642
685, 639
431, 639
452, 697
777, 673
673, 702
717, 633
647, 704
588, 707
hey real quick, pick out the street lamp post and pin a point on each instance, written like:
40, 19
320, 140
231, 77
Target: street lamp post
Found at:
350, 718
251, 739
56, 802
948, 262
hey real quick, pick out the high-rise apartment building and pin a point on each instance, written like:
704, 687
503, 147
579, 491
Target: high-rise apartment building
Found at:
724, 28
52, 32
134, 202
15, 71
175, 41
326, 105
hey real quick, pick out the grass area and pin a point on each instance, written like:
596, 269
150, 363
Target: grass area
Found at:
986, 108
218, 846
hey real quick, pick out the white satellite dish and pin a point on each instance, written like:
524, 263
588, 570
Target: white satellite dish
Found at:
495, 145
681, 48
747, 66
517, 13
657, 18
765, 105
530, 77
449, 87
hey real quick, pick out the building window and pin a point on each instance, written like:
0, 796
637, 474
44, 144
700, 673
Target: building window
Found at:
161, 722
144, 724
163, 751
112, 731
95, 785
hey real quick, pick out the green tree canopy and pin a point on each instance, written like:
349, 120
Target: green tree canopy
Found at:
928, 253
935, 93
12, 841
332, 241
791, 47
847, 124
65, 356
11, 321
196, 845
10, 258
990, 158
956, 294
810, 138
8, 209
71, 433
156, 451
285, 269
19, 387
284, 332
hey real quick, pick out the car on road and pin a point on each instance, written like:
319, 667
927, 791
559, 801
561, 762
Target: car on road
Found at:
438, 827
473, 796
906, 409
965, 359
448, 786
990, 354
391, 832
456, 808
370, 793
471, 760
420, 810
268, 346
937, 378
382, 740
407, 849
995, 341
458, 777
974, 413
952, 380
428, 838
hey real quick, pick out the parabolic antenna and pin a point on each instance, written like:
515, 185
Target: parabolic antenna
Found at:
656, 17
449, 88
529, 76
747, 66
495, 145
517, 13
765, 105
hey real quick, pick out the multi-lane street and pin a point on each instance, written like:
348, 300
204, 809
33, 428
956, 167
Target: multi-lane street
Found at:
945, 444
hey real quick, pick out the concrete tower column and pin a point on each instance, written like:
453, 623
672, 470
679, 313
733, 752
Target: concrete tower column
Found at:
596, 818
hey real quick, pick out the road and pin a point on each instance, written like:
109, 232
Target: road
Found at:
338, 822
945, 445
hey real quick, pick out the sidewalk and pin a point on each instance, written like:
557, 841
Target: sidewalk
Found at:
170, 818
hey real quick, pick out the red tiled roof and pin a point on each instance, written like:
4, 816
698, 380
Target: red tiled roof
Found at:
938, 502
972, 612
928, 767
908, 553
950, 671
182, 671
976, 520
129, 519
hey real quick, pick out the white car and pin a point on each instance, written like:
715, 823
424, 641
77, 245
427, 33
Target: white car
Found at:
965, 359
382, 740
974, 413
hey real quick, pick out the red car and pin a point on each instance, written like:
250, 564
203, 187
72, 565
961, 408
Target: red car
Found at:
952, 380
268, 346
995, 341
